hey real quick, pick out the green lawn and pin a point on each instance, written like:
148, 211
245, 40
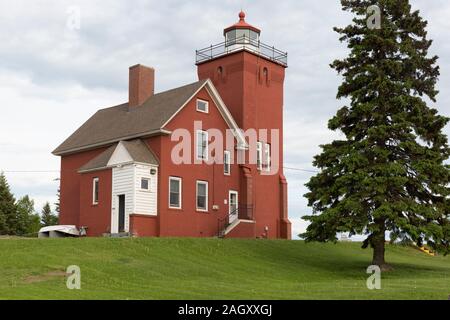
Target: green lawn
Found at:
212, 269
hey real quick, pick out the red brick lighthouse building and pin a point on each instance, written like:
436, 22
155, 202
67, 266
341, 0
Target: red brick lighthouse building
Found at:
121, 171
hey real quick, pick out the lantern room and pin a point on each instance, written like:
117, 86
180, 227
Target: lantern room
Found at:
241, 36
241, 33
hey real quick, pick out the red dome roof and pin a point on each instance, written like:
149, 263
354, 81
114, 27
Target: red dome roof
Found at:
241, 24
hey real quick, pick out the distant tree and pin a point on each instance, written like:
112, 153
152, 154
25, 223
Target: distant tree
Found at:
7, 208
47, 217
388, 173
28, 220
58, 201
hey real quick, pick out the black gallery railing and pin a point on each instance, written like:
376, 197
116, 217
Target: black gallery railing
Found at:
242, 43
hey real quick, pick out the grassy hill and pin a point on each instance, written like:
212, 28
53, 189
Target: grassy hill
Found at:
212, 269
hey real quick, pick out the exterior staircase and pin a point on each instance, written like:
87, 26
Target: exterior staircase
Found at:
244, 213
117, 235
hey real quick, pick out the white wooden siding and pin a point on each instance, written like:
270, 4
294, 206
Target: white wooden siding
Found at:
146, 200
122, 184
127, 181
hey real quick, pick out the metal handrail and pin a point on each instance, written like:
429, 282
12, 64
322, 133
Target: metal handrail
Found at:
244, 212
237, 44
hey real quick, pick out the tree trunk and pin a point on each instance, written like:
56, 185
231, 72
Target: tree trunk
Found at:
378, 245
378, 252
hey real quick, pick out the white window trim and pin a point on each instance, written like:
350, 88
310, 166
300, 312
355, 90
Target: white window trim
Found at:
180, 180
94, 191
196, 196
207, 106
225, 153
259, 156
267, 150
197, 142
229, 201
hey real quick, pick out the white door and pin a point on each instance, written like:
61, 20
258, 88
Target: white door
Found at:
233, 206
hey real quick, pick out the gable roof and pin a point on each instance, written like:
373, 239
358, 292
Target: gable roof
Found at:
140, 151
119, 123
137, 150
116, 123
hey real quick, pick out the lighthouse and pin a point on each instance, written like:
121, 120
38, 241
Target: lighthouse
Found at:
249, 75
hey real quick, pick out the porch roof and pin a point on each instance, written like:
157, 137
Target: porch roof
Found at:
137, 149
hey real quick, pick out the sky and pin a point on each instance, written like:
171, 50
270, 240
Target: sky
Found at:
56, 71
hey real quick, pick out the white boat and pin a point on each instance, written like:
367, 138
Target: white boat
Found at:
59, 232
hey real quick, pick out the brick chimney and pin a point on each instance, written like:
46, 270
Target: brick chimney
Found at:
141, 85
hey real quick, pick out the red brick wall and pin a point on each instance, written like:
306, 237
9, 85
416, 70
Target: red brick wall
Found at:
144, 226
188, 221
244, 230
70, 185
96, 217
256, 101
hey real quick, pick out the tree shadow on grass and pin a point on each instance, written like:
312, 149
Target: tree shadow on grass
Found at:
343, 265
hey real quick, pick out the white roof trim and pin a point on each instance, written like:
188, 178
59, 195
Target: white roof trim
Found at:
223, 110
104, 143
155, 166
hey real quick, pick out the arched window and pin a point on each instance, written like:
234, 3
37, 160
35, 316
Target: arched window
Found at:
266, 75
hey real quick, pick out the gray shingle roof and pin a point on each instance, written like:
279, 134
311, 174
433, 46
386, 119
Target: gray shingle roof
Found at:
119, 123
100, 161
138, 150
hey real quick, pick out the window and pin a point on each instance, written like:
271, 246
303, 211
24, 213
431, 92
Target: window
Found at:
259, 155
202, 145
202, 196
226, 163
230, 38
266, 75
145, 184
233, 203
95, 187
243, 35
254, 36
175, 193
202, 106
267, 157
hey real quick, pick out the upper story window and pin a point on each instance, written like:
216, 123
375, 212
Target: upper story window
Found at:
95, 190
202, 196
145, 184
266, 161
202, 145
227, 162
259, 155
202, 106
175, 185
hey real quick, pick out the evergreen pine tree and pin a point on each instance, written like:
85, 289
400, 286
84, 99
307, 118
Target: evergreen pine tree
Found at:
389, 172
29, 221
47, 217
7, 208
58, 201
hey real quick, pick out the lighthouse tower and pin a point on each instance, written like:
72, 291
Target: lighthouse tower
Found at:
249, 76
